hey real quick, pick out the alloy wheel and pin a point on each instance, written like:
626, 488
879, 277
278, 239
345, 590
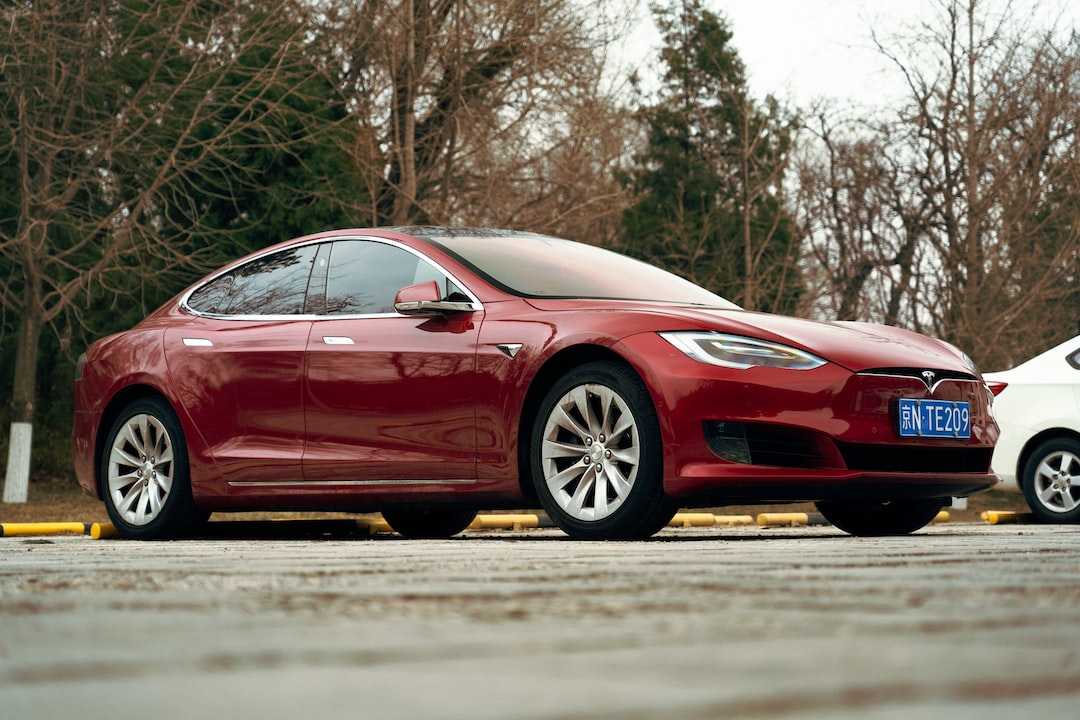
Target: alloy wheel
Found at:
590, 452
140, 469
1057, 482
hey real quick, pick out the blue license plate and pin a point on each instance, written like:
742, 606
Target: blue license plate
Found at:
933, 418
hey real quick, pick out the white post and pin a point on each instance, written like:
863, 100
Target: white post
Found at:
17, 480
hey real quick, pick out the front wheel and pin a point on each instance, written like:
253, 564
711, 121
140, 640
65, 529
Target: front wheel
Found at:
1051, 481
596, 455
429, 523
876, 519
145, 480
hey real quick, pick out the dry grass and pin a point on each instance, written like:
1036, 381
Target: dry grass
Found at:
54, 500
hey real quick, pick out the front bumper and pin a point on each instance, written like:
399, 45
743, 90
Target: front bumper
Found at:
767, 434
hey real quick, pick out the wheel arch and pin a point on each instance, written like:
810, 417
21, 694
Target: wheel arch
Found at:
555, 367
1055, 433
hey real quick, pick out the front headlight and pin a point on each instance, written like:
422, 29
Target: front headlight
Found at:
740, 353
970, 363
964, 357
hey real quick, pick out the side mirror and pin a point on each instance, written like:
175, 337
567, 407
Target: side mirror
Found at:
426, 299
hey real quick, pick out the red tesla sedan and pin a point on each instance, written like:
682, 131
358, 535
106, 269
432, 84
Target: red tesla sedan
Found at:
430, 372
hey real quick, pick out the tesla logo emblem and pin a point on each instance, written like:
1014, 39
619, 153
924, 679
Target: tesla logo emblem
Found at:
928, 379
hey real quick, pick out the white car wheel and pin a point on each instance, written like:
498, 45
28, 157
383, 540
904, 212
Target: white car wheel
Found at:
1051, 480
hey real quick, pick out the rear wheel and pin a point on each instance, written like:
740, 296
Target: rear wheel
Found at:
1051, 481
145, 479
596, 455
429, 522
875, 519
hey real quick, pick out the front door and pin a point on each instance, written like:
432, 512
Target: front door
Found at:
389, 398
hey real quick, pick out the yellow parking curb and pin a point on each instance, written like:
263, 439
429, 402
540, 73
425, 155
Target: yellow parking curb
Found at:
1001, 517
374, 526
690, 519
103, 531
43, 528
795, 519
505, 521
687, 519
734, 520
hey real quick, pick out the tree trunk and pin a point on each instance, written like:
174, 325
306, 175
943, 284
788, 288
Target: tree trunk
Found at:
406, 102
17, 478
749, 290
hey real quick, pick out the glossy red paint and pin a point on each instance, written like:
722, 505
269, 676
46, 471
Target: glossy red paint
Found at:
824, 407
380, 409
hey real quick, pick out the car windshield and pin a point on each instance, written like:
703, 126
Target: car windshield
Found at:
538, 266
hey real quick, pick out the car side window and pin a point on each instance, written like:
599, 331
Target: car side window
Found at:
364, 276
274, 284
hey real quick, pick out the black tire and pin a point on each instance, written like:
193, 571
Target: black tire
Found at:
877, 519
430, 523
1050, 480
596, 456
145, 480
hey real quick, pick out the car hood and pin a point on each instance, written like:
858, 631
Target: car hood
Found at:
854, 345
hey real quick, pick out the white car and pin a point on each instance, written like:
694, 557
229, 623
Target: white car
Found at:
1037, 406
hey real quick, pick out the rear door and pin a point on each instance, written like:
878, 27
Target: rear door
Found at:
238, 366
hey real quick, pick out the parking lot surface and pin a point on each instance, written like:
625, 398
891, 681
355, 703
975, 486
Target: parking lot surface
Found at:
959, 621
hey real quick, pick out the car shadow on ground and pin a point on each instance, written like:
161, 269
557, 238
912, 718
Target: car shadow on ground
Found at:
345, 529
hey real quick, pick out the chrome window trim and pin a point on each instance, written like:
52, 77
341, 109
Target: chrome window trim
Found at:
473, 300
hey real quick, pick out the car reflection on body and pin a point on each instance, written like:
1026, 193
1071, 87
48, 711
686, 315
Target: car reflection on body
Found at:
430, 372
1038, 408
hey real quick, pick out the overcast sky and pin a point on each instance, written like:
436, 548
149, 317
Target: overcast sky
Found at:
799, 50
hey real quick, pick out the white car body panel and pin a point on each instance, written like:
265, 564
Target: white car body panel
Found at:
1042, 396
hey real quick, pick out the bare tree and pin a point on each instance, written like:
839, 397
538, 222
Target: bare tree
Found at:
484, 112
960, 211
864, 222
994, 124
121, 124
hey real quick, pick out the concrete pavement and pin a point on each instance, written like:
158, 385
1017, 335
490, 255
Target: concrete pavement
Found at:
957, 620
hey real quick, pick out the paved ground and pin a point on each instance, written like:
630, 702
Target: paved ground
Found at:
958, 621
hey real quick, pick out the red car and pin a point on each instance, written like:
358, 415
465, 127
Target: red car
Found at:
430, 372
